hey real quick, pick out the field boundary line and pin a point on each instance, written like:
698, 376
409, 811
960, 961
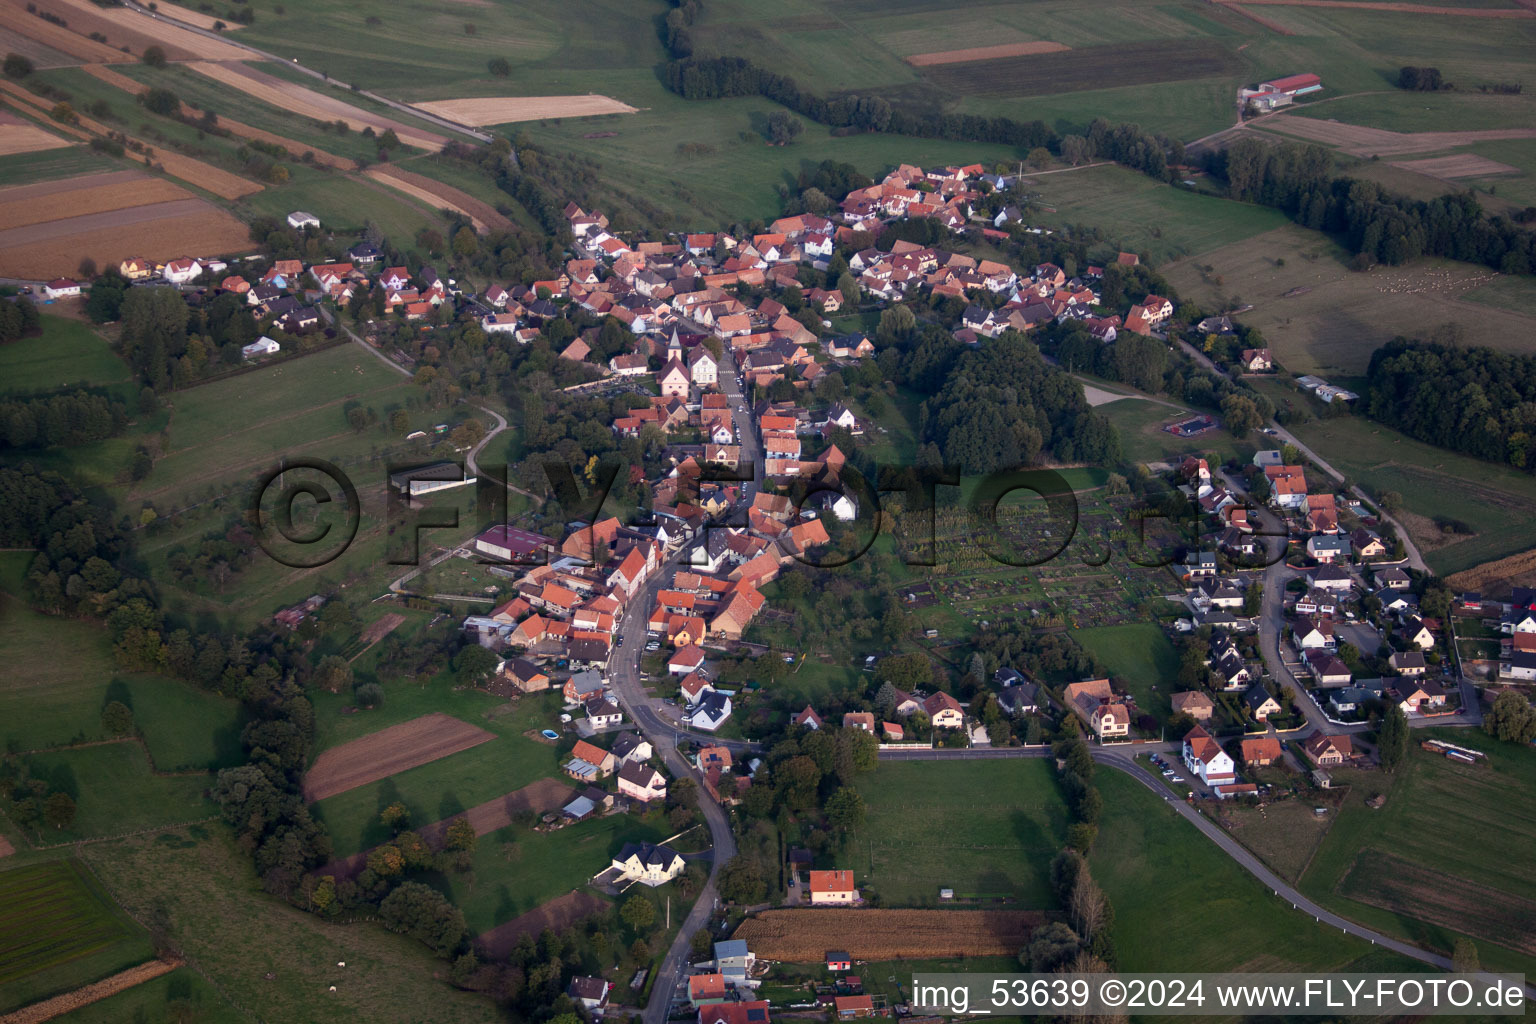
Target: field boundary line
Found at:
85, 995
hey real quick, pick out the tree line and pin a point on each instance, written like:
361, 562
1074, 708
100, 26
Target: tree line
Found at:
18, 319
69, 419
1377, 225
1477, 401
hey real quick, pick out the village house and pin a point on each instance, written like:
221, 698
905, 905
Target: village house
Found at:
1326, 751
1261, 752
1204, 756
1194, 704
832, 887
589, 762
588, 993
647, 863
642, 782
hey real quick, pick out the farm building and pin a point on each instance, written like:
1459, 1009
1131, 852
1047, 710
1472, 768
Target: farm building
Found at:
1280, 92
513, 545
300, 220
61, 288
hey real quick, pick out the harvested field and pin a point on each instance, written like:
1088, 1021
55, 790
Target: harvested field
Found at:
386, 625
541, 796
506, 109
440, 196
1368, 5
388, 751
26, 101
31, 207
88, 994
308, 103
245, 131
1516, 568
162, 231
804, 936
557, 914
124, 27
47, 188
15, 17
923, 60
1092, 67
1461, 165
1358, 140
21, 136
1457, 904
195, 18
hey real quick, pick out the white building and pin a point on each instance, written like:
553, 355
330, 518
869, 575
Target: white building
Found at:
1204, 756
262, 346
648, 863
300, 220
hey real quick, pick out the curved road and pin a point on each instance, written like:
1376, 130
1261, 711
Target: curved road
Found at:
1125, 761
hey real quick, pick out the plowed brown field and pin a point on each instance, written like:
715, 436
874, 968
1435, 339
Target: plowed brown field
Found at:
164, 231
88, 994
14, 17
557, 915
1461, 165
804, 936
440, 196
923, 60
478, 110
388, 751
308, 103
32, 208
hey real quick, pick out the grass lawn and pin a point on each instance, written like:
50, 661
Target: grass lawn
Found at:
982, 828
1182, 904
346, 203
1161, 222
1143, 439
1494, 500
66, 354
1434, 889
542, 866
58, 931
1318, 317
115, 791
1140, 656
160, 998
443, 788
1285, 833
60, 675
205, 891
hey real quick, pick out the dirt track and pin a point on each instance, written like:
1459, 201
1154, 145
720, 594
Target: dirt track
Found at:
480, 110
389, 751
296, 99
87, 994
923, 60
557, 914
1358, 140
541, 797
440, 196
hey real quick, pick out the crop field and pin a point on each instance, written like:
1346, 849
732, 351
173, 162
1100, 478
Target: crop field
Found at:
804, 936
382, 754
15, 18
979, 828
1358, 140
203, 888
1093, 67
479, 110
36, 204
18, 135
1403, 868
1320, 318
450, 785
310, 103
921, 60
57, 931
50, 164
1160, 222
441, 196
159, 995
128, 29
